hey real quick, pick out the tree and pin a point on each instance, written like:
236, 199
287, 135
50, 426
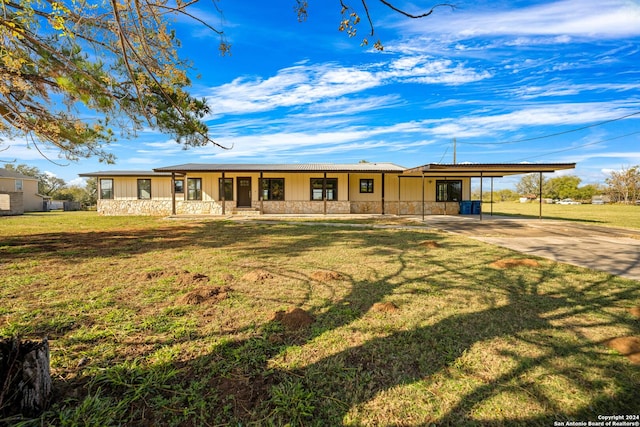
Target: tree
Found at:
562, 187
118, 59
529, 184
351, 17
624, 185
115, 58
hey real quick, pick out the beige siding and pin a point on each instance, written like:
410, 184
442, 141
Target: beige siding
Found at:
32, 202
126, 188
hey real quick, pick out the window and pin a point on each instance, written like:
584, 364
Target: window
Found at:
448, 191
366, 185
194, 188
178, 186
273, 189
106, 188
226, 188
319, 191
18, 185
144, 189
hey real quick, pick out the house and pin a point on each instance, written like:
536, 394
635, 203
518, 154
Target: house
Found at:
19, 193
222, 189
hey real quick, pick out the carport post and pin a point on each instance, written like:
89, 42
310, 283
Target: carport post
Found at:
491, 201
540, 197
480, 212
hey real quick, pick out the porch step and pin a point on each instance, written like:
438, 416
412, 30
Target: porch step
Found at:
246, 212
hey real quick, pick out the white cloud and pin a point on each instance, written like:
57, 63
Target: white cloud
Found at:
566, 18
304, 85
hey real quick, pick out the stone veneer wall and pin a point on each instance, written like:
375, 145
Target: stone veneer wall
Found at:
303, 207
11, 204
162, 207
415, 208
198, 207
367, 207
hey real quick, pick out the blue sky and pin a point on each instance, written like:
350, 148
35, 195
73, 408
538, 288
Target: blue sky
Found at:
511, 81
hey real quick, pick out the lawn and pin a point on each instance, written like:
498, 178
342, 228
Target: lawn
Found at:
613, 215
215, 322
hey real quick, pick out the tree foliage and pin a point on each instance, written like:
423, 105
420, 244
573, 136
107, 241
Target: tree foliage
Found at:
624, 185
114, 61
351, 16
60, 60
529, 184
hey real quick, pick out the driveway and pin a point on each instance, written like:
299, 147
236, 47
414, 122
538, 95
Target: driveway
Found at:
612, 250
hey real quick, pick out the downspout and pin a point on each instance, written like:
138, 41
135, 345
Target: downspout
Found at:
173, 193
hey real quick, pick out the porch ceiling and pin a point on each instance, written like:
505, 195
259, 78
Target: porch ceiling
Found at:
484, 170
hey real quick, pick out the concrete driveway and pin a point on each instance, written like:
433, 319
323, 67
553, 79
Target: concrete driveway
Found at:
612, 250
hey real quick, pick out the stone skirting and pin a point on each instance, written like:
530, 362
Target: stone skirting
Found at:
303, 207
415, 208
162, 207
198, 207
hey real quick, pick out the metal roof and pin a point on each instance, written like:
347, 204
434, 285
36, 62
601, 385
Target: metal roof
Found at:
123, 173
295, 167
488, 170
460, 170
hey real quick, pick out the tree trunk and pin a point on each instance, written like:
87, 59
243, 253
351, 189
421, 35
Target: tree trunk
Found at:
25, 379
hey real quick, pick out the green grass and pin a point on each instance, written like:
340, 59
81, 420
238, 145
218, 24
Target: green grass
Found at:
606, 215
467, 343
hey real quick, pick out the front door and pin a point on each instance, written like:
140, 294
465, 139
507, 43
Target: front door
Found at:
244, 192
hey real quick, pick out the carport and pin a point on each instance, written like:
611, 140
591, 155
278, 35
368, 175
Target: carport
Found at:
485, 170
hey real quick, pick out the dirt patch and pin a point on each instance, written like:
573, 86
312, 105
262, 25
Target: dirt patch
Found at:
635, 311
384, 307
294, 319
325, 276
184, 277
431, 244
627, 346
205, 295
515, 262
257, 276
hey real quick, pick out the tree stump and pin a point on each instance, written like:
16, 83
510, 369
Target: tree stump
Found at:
25, 379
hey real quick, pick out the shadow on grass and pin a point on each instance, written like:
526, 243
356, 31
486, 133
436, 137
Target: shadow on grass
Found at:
423, 369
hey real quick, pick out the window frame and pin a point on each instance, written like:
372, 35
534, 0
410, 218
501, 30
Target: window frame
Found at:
268, 193
449, 196
19, 185
327, 186
220, 189
368, 186
144, 181
111, 193
195, 193
178, 189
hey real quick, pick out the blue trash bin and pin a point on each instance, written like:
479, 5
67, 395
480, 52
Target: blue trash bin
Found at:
465, 207
476, 207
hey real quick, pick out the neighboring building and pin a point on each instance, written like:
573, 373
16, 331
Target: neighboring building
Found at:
220, 189
19, 193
